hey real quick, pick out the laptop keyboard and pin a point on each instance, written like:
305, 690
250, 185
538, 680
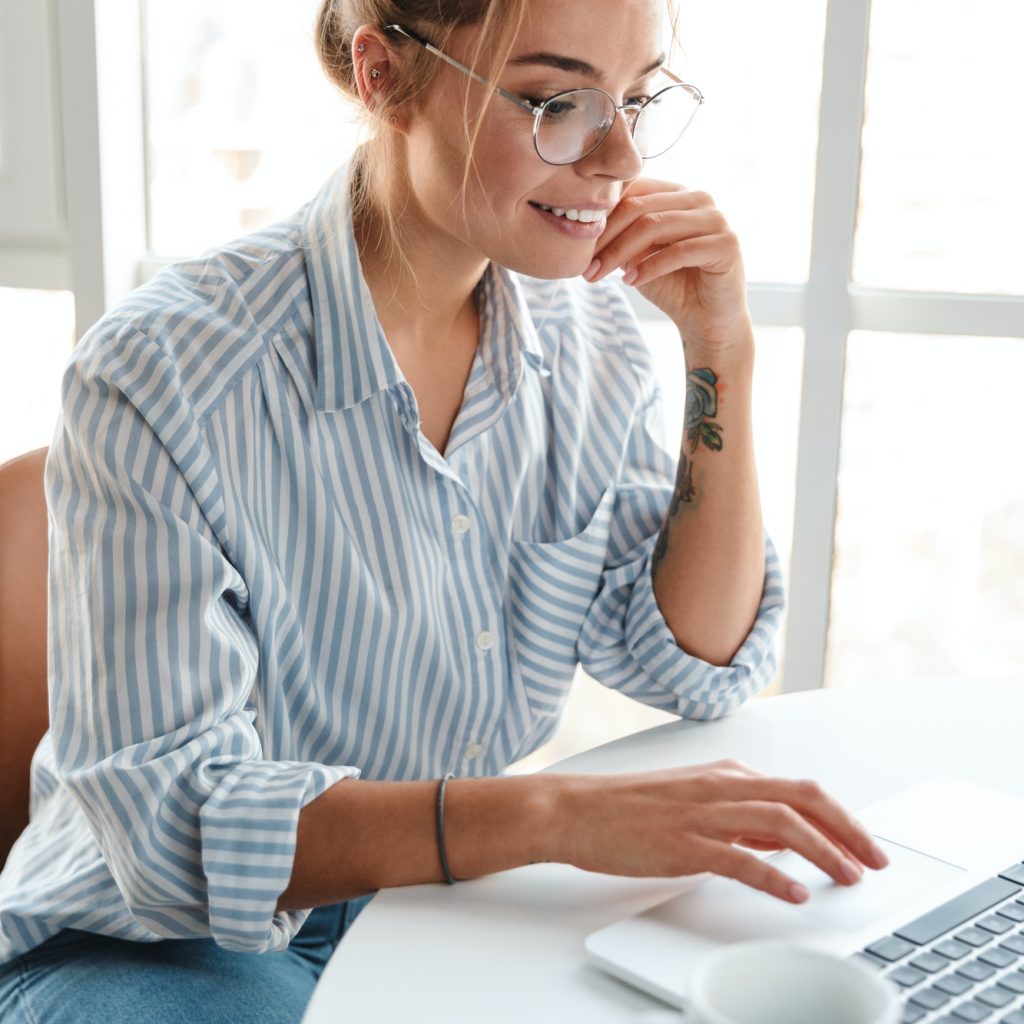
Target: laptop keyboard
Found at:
962, 961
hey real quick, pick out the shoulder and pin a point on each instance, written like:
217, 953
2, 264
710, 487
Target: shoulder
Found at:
199, 324
596, 322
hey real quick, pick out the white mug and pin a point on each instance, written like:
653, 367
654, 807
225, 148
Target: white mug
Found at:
780, 981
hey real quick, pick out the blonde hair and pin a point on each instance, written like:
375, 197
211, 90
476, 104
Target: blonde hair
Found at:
337, 22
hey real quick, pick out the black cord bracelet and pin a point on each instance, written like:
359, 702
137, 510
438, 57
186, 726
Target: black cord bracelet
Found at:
440, 829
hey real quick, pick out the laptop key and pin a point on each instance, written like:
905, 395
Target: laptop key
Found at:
954, 912
995, 924
930, 962
891, 948
997, 957
954, 984
930, 998
974, 936
911, 1014
1017, 1017
972, 1011
1014, 981
995, 996
1015, 944
1014, 911
953, 949
870, 961
906, 976
975, 971
1014, 874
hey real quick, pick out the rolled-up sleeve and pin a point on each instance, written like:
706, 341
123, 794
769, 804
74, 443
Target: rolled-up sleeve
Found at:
153, 664
625, 642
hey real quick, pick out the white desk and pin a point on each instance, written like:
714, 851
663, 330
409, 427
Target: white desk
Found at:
509, 947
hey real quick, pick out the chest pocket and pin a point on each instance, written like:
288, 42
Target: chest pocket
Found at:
551, 586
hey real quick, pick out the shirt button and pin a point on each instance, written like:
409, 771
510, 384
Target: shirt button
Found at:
474, 750
460, 524
485, 640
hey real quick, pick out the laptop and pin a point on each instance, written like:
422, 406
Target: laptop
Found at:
944, 922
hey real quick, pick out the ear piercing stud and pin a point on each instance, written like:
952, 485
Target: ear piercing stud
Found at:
361, 48
375, 73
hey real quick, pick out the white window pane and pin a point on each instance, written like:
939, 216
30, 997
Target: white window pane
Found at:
930, 527
35, 344
594, 714
752, 145
942, 208
243, 127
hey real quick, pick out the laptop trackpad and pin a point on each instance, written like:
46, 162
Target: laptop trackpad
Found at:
910, 876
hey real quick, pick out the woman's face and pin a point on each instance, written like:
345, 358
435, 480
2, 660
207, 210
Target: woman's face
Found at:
503, 217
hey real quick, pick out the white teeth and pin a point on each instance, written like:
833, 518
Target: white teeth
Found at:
586, 216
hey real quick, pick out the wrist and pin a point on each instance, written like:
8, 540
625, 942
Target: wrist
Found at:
724, 349
567, 810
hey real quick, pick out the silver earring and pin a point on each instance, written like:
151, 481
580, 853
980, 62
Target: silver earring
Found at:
375, 73
361, 48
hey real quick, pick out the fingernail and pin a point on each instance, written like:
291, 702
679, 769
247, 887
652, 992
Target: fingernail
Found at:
880, 856
849, 871
631, 276
594, 267
798, 893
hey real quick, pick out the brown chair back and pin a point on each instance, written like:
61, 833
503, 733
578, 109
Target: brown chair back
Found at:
24, 706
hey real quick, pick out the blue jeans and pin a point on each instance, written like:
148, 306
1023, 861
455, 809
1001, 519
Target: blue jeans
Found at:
79, 976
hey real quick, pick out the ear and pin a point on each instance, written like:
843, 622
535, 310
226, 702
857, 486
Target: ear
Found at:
374, 62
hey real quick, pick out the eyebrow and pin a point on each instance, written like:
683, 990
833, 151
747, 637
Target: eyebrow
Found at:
574, 65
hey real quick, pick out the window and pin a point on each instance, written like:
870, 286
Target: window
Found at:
36, 340
941, 199
242, 125
929, 576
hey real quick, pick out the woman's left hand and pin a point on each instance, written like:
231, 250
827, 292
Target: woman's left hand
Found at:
686, 257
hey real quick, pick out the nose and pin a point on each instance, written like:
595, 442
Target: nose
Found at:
617, 155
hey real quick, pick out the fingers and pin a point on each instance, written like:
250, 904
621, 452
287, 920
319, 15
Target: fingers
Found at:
654, 230
782, 824
713, 253
630, 208
826, 813
732, 862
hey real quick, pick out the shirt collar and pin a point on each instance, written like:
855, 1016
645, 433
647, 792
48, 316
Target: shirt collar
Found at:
354, 360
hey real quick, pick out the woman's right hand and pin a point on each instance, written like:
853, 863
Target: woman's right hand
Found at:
684, 821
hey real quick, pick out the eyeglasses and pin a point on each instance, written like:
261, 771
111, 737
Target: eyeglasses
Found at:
571, 125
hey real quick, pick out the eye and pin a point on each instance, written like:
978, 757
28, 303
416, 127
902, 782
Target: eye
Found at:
639, 100
556, 110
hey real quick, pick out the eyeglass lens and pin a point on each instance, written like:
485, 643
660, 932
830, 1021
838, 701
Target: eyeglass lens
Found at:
575, 123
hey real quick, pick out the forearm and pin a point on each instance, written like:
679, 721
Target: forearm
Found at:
709, 562
361, 836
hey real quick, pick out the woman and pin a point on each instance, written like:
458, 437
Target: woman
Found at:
351, 497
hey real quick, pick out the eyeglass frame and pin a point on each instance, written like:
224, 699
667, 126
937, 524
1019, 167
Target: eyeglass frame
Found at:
537, 109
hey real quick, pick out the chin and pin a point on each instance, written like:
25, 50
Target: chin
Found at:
548, 267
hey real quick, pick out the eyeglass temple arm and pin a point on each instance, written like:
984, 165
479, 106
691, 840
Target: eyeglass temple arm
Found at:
679, 81
525, 104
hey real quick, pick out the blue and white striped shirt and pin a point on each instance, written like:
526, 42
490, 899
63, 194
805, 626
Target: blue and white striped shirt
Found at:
264, 579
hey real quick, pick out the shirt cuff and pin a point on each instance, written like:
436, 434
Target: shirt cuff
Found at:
249, 826
703, 690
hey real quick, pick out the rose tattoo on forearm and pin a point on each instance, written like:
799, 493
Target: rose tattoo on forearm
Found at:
701, 405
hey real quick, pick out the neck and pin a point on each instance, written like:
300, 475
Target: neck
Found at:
424, 297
